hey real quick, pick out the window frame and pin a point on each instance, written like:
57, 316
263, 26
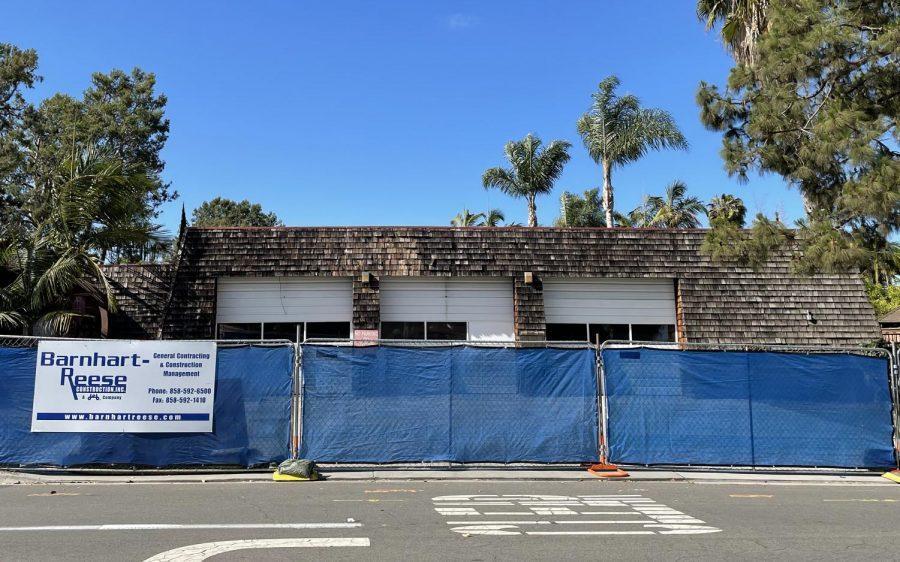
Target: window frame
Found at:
630, 325
424, 324
301, 330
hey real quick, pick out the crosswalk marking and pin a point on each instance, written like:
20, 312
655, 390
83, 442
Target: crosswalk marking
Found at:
645, 516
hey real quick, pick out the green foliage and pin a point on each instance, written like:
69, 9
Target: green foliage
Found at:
533, 170
119, 116
225, 212
728, 242
617, 131
467, 218
741, 21
675, 209
818, 105
79, 186
883, 298
726, 210
639, 217
52, 256
493, 217
18, 70
583, 210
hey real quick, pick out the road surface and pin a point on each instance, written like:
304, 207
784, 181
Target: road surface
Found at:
459, 520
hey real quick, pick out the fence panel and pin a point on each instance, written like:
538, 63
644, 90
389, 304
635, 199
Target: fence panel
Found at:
461, 404
251, 419
747, 408
375, 404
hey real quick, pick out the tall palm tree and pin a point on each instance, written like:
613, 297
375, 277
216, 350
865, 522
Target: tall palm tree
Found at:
532, 172
55, 251
676, 210
726, 209
617, 130
742, 21
467, 218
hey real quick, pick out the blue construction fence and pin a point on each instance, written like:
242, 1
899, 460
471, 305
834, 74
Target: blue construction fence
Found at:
251, 418
384, 404
686, 407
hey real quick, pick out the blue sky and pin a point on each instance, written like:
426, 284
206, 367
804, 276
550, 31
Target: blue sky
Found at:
359, 113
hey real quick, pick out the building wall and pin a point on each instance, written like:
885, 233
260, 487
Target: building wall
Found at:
717, 303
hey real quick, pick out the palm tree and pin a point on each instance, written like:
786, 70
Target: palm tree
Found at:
578, 210
54, 252
726, 209
675, 210
639, 217
533, 170
617, 131
466, 218
493, 217
742, 21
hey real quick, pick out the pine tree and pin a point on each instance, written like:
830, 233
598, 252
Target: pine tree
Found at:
818, 104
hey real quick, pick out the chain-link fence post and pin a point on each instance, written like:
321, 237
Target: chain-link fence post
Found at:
299, 385
894, 358
603, 445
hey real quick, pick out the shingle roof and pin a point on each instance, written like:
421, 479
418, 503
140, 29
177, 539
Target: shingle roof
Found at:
141, 291
720, 303
892, 317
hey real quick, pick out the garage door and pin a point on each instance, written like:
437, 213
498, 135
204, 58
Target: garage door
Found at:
286, 299
486, 305
617, 309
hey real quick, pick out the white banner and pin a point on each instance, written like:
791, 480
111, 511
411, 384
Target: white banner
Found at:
124, 386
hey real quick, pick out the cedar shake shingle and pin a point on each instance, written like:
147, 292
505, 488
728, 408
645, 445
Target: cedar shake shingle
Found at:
718, 303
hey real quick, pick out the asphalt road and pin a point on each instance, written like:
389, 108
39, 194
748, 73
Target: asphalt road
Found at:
536, 520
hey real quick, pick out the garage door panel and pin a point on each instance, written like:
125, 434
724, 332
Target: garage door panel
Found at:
486, 305
609, 301
284, 299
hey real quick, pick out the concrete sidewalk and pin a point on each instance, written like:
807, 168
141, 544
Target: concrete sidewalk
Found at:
707, 477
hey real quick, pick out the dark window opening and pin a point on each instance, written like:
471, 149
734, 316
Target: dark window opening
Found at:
239, 331
566, 332
608, 332
403, 330
447, 331
653, 332
328, 330
281, 331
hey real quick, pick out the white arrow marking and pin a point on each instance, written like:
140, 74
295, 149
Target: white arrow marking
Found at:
202, 551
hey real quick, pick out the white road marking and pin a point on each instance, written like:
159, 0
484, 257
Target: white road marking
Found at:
652, 518
173, 526
609, 513
589, 533
202, 551
525, 513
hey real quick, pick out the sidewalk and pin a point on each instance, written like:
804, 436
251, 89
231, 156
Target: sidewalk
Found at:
710, 477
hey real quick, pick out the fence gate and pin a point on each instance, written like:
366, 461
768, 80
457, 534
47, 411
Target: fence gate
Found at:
748, 408
462, 403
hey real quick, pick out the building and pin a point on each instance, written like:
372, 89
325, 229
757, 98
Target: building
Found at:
890, 326
505, 284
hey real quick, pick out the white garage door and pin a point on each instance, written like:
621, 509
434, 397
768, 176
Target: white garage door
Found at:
283, 299
486, 305
609, 301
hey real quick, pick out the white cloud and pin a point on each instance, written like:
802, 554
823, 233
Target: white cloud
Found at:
461, 21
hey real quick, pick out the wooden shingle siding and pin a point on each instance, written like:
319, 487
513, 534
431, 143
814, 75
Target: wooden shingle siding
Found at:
717, 302
141, 291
